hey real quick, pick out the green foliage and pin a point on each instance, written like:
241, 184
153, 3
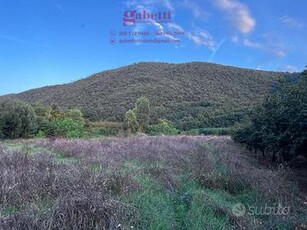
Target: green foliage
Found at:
191, 132
47, 127
67, 127
103, 132
279, 125
163, 127
56, 113
192, 96
142, 113
42, 112
208, 131
131, 122
198, 90
40, 134
76, 115
101, 129
56, 122
214, 131
17, 120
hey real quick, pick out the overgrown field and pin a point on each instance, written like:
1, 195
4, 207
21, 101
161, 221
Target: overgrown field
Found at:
201, 182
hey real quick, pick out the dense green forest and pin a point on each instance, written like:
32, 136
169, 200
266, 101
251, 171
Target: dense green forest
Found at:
191, 95
278, 127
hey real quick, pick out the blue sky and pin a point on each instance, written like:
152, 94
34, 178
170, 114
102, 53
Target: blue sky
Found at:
46, 42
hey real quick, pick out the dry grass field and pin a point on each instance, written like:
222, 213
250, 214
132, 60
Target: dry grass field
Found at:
182, 182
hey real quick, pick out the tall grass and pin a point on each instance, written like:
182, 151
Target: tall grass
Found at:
144, 182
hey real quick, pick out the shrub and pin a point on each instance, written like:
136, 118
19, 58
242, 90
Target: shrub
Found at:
17, 120
67, 127
47, 127
76, 115
164, 127
56, 122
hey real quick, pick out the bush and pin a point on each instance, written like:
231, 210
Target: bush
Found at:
47, 127
164, 127
67, 127
56, 122
17, 120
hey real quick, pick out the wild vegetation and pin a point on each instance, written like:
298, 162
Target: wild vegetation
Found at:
191, 96
56, 180
143, 183
17, 120
21, 120
278, 127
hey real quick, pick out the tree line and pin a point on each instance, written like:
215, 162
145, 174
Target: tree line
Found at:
22, 120
278, 127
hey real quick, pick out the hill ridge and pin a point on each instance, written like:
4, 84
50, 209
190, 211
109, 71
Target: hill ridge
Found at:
173, 90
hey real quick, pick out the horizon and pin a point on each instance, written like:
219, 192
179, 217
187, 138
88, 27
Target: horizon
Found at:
59, 42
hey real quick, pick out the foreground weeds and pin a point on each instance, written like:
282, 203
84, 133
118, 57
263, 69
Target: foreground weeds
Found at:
142, 183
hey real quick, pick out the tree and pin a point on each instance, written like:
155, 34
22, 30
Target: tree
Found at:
142, 112
76, 115
17, 120
131, 121
56, 113
279, 125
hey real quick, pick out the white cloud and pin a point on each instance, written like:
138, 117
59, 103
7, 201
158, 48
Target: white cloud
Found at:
174, 26
198, 36
202, 37
278, 52
275, 49
130, 3
252, 44
289, 68
234, 39
168, 5
157, 25
238, 14
289, 22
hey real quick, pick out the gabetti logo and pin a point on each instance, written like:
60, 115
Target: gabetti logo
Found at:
131, 17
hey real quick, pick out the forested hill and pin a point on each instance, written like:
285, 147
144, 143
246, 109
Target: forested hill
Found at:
178, 92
